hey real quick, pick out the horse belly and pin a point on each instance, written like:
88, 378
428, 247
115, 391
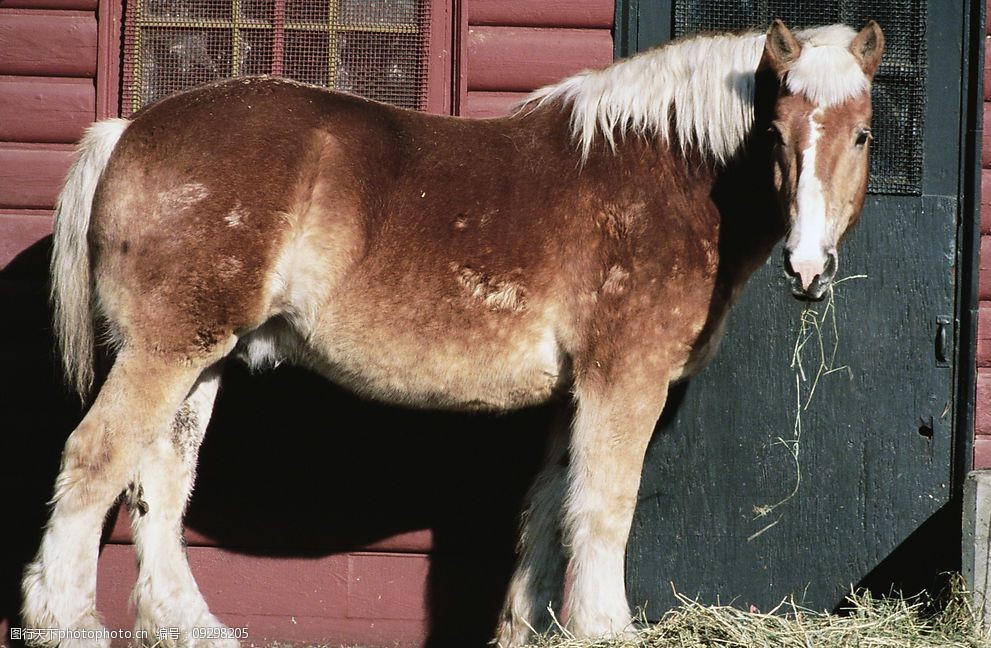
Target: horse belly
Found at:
462, 370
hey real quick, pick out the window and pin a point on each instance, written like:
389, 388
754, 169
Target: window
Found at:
375, 48
899, 89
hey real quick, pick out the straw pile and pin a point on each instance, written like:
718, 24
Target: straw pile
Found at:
868, 622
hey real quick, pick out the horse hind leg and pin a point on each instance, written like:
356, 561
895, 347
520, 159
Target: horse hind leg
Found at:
135, 406
538, 580
166, 595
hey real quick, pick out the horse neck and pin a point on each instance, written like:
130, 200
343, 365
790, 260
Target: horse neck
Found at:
734, 201
647, 169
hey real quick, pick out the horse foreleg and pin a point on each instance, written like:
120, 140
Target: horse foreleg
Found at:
166, 595
139, 398
617, 409
538, 580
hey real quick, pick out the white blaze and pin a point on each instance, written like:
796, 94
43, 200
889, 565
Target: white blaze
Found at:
808, 238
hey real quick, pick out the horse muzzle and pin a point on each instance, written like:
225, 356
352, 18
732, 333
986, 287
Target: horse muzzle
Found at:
811, 278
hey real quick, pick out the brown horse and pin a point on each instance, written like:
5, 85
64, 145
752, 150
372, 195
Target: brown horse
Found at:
588, 246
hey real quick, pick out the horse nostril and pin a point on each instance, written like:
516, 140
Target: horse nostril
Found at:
787, 264
831, 265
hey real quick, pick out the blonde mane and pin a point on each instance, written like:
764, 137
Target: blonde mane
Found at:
699, 91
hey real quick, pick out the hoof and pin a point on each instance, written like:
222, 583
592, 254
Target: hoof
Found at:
512, 633
605, 628
55, 618
85, 632
206, 632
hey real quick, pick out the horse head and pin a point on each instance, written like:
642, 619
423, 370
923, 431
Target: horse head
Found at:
821, 135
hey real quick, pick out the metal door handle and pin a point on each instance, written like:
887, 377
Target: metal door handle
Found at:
942, 343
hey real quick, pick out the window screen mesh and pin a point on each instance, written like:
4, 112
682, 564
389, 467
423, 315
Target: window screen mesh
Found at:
899, 90
375, 48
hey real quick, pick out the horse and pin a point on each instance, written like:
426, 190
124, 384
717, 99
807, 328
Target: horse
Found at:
584, 249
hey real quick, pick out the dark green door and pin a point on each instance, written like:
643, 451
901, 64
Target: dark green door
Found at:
762, 481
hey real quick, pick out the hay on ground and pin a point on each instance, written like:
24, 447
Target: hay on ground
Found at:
888, 622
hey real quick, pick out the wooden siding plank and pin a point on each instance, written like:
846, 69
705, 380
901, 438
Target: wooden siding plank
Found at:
44, 109
546, 13
984, 335
986, 199
984, 272
982, 453
491, 104
48, 43
27, 212
77, 5
986, 144
520, 59
982, 424
30, 176
385, 586
18, 232
987, 69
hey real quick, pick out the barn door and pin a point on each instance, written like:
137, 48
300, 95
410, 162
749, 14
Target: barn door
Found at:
769, 477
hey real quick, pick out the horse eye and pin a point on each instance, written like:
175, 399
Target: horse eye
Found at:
776, 134
863, 137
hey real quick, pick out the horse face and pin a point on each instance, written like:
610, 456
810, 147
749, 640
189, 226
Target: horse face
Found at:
820, 169
821, 131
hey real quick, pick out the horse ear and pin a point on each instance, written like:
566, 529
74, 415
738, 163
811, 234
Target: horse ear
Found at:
867, 46
781, 47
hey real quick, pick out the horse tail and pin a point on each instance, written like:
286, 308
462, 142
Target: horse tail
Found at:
72, 286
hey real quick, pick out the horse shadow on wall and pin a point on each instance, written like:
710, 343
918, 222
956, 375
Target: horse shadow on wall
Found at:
291, 466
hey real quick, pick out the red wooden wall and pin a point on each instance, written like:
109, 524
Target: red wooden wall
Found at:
982, 442
48, 61
420, 543
515, 46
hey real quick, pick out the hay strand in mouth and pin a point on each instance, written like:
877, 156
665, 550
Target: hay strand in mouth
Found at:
814, 327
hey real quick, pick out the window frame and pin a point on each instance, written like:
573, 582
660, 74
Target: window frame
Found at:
111, 78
